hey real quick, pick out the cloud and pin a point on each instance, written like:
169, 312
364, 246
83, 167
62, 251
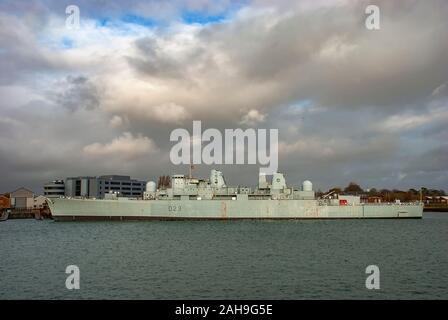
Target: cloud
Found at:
409, 121
126, 147
339, 149
116, 122
76, 92
253, 117
441, 91
167, 57
434, 160
265, 57
169, 113
350, 104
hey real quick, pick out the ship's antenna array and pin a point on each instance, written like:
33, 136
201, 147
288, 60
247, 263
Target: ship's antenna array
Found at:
191, 168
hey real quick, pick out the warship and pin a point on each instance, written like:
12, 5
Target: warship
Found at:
185, 197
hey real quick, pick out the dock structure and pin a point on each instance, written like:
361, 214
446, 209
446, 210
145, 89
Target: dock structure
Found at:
435, 208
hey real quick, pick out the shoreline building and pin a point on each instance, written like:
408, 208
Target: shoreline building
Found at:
97, 187
5, 201
40, 202
54, 189
22, 198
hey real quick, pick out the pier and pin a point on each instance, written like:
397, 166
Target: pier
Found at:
38, 214
435, 207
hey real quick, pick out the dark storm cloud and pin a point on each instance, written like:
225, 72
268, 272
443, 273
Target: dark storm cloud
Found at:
19, 51
435, 160
153, 62
76, 92
329, 56
325, 55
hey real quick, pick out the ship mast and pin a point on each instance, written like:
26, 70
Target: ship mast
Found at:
191, 167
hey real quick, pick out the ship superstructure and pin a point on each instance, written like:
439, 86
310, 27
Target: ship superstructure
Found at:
215, 188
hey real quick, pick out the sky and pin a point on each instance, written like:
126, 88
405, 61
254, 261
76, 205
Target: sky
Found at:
350, 104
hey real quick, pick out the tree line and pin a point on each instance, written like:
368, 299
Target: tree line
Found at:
385, 194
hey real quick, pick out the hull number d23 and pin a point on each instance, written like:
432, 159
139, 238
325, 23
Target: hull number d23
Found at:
174, 208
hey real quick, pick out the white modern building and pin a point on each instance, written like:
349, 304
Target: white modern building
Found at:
97, 187
54, 189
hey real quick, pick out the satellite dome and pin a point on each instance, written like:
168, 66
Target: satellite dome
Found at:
151, 186
307, 185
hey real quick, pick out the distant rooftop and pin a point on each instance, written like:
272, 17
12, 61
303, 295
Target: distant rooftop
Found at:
115, 177
105, 177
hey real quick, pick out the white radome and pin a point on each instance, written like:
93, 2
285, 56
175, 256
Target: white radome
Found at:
150, 186
307, 185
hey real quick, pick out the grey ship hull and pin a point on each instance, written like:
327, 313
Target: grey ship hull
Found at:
124, 209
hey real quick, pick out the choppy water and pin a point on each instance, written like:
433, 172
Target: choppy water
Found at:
225, 259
